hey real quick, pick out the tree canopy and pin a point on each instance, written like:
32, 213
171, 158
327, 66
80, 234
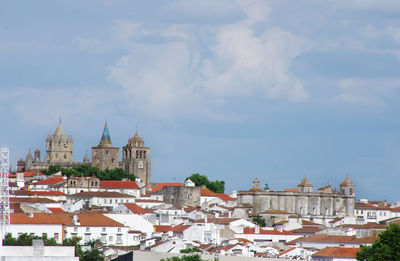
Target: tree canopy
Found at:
215, 186
184, 258
25, 239
386, 247
86, 170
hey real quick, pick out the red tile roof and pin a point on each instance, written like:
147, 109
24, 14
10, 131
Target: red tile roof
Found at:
85, 219
225, 197
101, 194
39, 193
250, 230
56, 210
338, 252
337, 239
162, 185
178, 228
136, 209
225, 221
43, 200
291, 190
119, 184
49, 181
27, 174
205, 192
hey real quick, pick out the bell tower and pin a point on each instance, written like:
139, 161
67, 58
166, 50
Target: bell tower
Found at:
136, 158
105, 156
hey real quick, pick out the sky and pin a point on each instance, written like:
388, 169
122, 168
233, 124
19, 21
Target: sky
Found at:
231, 89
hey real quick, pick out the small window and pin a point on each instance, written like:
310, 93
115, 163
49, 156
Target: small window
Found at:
110, 238
88, 229
103, 229
56, 236
119, 229
75, 229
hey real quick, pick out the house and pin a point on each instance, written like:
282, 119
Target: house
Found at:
60, 226
98, 199
51, 183
296, 253
336, 254
262, 235
322, 241
121, 186
138, 227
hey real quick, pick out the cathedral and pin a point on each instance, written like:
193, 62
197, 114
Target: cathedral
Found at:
325, 204
59, 149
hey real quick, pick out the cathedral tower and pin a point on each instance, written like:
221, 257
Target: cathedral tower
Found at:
59, 147
136, 158
105, 156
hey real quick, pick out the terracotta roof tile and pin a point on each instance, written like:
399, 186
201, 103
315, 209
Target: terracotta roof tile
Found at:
225, 197
49, 181
85, 219
39, 193
27, 174
136, 209
205, 192
250, 230
119, 184
56, 210
162, 185
338, 252
225, 221
102, 194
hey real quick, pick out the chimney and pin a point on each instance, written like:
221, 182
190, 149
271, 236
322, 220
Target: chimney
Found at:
257, 229
30, 215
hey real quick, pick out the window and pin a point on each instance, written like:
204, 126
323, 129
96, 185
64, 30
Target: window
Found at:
65, 156
75, 229
56, 236
106, 152
88, 229
119, 239
119, 229
110, 238
103, 239
105, 201
103, 229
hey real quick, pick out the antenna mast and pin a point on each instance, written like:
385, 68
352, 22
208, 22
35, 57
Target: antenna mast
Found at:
4, 193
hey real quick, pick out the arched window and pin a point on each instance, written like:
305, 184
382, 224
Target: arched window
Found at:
144, 154
137, 154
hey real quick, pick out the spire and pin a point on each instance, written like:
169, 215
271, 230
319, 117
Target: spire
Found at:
346, 183
86, 158
29, 156
105, 138
59, 131
304, 183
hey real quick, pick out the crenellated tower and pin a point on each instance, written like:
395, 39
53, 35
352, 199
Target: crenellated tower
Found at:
59, 147
136, 158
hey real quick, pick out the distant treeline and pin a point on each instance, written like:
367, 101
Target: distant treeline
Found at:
85, 170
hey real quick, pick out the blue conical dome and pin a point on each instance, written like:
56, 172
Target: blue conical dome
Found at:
105, 138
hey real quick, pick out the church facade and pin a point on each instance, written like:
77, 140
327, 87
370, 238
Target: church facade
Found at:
326, 204
59, 151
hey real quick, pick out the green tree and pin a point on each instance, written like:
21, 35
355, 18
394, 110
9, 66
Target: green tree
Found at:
92, 255
217, 186
184, 258
386, 247
74, 241
259, 221
86, 170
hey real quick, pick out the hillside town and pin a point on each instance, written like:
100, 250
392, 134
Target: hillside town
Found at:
150, 220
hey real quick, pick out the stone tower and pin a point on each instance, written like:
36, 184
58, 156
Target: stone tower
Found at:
347, 188
59, 147
305, 186
28, 160
105, 156
136, 158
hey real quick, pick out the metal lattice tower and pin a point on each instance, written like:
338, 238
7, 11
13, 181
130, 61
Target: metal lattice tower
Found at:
4, 191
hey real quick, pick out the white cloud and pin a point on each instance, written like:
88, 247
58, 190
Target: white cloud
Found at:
368, 91
43, 107
372, 5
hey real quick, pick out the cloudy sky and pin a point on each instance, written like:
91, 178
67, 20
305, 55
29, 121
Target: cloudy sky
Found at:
233, 89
